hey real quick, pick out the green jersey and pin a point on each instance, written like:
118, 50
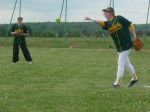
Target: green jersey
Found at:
23, 28
119, 31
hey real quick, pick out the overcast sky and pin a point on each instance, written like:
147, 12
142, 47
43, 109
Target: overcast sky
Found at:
48, 10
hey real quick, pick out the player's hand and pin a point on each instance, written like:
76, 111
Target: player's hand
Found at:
87, 18
18, 33
24, 34
14, 33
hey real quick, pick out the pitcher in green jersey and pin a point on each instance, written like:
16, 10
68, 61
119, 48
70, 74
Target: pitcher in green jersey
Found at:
123, 33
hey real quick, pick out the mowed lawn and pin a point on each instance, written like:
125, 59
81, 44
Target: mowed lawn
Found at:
72, 80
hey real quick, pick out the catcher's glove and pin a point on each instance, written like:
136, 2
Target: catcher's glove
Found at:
137, 44
19, 33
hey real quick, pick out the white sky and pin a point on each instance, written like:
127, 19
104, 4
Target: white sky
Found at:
48, 10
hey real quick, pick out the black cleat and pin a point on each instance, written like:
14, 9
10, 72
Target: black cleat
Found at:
132, 83
116, 86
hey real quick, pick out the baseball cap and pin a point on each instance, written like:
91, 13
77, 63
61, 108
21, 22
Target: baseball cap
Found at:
109, 9
20, 18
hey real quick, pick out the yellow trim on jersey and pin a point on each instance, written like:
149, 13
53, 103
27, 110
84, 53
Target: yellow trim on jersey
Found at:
114, 28
101, 23
131, 27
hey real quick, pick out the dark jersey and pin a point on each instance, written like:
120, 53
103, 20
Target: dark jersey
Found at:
23, 29
119, 31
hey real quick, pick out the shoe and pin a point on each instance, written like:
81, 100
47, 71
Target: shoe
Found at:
13, 63
132, 83
116, 86
30, 62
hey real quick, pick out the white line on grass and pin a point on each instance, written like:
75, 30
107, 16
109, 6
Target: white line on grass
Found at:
146, 86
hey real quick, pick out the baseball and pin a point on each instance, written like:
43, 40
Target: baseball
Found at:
58, 19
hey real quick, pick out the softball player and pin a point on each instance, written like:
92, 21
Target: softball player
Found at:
19, 31
120, 30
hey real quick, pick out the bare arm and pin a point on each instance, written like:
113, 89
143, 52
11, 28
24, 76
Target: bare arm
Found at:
25, 34
22, 34
90, 19
132, 30
101, 23
13, 33
134, 35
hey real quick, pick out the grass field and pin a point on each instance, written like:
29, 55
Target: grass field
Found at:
77, 79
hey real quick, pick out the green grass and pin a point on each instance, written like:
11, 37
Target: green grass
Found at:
72, 80
60, 42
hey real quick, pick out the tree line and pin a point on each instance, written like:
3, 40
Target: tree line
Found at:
74, 29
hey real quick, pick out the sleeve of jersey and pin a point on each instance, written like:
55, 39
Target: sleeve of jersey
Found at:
103, 25
13, 28
131, 28
25, 29
125, 21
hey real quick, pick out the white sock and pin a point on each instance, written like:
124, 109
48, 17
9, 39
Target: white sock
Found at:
118, 80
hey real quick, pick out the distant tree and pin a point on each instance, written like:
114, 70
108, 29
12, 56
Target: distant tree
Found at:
139, 33
2, 32
29, 30
75, 33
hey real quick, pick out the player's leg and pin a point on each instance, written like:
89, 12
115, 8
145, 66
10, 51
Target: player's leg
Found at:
25, 51
121, 65
15, 57
131, 70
